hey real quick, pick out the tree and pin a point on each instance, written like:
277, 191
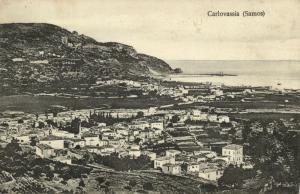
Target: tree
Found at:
137, 140
37, 171
175, 119
4, 124
81, 183
33, 141
20, 171
41, 125
132, 183
51, 123
13, 147
100, 180
88, 158
140, 114
232, 177
4, 191
184, 167
148, 186
50, 175
153, 93
75, 125
246, 131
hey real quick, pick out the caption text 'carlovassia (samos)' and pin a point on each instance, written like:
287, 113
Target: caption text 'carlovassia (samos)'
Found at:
236, 13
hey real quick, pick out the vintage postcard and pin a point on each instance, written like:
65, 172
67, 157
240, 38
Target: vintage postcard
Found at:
153, 96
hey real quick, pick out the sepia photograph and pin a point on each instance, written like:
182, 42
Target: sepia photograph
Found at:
149, 97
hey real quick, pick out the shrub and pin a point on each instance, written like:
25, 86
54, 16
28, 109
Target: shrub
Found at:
81, 183
148, 186
100, 180
132, 183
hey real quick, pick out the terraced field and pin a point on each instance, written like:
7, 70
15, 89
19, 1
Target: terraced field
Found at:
162, 183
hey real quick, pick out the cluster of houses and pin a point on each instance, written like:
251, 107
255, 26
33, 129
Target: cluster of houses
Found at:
181, 93
196, 163
128, 138
146, 87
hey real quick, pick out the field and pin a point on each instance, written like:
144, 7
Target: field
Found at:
31, 104
264, 116
257, 101
163, 183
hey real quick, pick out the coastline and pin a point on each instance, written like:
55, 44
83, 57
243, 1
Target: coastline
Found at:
236, 80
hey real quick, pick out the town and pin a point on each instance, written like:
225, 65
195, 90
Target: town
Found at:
190, 138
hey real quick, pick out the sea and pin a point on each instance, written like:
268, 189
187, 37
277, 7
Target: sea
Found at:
275, 74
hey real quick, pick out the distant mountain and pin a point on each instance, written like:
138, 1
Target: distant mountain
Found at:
45, 55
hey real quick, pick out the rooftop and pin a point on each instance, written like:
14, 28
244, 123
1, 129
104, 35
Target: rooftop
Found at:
171, 165
173, 151
51, 137
163, 158
207, 170
85, 135
44, 146
233, 147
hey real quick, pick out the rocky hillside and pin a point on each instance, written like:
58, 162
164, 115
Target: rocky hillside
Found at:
45, 55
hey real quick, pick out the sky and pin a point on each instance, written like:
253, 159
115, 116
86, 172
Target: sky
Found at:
174, 29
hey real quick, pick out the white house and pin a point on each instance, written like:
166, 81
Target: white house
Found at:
223, 119
157, 125
200, 117
174, 169
116, 143
107, 149
234, 153
139, 125
196, 112
78, 143
122, 131
93, 149
172, 153
159, 162
134, 146
44, 151
18, 59
63, 159
193, 167
60, 133
198, 158
103, 143
212, 118
217, 92
151, 155
53, 141
23, 139
91, 140
134, 153
109, 133
211, 174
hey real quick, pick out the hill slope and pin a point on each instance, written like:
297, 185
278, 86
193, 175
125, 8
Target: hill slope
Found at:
44, 55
